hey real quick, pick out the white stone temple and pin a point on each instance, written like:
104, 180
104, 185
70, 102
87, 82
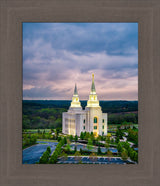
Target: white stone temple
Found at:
77, 120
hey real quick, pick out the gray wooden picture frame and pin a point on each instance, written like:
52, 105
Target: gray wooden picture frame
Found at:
12, 14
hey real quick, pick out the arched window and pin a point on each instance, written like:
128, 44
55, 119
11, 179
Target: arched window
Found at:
95, 119
95, 127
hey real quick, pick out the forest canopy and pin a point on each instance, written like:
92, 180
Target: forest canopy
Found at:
41, 114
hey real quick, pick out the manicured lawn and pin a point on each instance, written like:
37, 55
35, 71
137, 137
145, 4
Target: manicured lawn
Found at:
26, 146
47, 140
35, 130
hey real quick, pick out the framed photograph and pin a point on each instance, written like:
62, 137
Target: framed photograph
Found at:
95, 64
40, 42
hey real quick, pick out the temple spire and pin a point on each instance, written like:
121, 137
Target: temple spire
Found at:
93, 101
75, 104
75, 90
93, 85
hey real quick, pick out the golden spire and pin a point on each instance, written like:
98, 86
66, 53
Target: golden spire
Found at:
93, 101
93, 85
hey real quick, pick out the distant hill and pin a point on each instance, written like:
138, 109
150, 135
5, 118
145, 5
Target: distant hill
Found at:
40, 114
107, 106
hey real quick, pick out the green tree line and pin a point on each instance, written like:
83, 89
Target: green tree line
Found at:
40, 114
28, 140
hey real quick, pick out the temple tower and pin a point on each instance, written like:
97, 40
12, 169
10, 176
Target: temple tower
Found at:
76, 120
75, 104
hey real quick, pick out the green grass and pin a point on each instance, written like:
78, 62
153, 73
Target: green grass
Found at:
47, 140
110, 126
26, 146
35, 130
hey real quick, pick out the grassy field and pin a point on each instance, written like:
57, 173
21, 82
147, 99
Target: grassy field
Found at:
36, 130
47, 140
110, 126
116, 125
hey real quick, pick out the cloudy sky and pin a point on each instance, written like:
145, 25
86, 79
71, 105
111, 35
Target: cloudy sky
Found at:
58, 55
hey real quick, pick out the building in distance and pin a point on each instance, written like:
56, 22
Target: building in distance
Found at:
77, 120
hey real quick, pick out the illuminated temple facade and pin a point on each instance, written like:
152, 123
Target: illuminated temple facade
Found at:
77, 120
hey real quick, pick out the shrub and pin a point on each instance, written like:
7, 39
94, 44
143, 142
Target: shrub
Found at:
99, 150
124, 155
49, 149
57, 152
44, 158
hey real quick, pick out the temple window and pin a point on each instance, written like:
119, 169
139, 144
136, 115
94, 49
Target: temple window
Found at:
95, 127
95, 119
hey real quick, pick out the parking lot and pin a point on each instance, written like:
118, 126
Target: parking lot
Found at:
88, 160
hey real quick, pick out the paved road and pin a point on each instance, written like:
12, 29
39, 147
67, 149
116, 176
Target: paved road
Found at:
94, 149
88, 160
32, 154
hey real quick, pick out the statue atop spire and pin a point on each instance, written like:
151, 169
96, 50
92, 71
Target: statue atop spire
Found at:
93, 85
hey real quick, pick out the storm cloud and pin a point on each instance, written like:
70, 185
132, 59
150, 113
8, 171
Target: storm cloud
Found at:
58, 55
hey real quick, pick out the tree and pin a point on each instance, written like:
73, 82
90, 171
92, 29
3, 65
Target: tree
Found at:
26, 122
124, 155
77, 156
64, 156
75, 148
67, 147
65, 140
82, 136
132, 153
107, 145
59, 138
38, 131
81, 151
112, 140
109, 154
54, 157
57, 152
126, 145
119, 147
58, 123
90, 144
70, 137
117, 139
76, 138
108, 139
49, 149
68, 141
99, 150
136, 156
44, 158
